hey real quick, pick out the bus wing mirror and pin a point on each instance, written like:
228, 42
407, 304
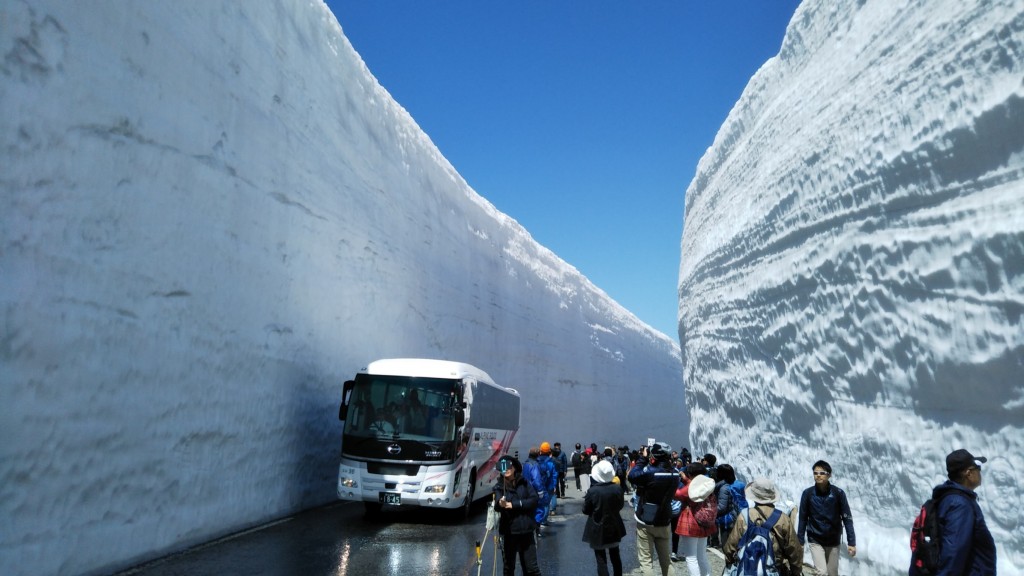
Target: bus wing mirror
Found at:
346, 396
460, 418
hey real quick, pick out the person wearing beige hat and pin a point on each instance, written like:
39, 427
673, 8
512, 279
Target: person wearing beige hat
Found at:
789, 554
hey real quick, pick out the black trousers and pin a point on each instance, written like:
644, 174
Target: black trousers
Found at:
602, 562
523, 546
577, 471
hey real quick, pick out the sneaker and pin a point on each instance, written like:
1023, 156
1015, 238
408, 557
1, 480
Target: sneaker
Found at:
674, 557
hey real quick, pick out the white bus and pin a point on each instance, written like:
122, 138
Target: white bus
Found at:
423, 433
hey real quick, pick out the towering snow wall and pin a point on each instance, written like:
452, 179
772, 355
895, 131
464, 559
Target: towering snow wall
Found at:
852, 275
210, 216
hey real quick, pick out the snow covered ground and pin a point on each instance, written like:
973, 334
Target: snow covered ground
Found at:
852, 275
211, 215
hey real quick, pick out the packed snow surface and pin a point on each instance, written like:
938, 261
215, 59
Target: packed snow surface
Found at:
852, 274
211, 215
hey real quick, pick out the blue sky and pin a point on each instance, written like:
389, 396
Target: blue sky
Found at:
582, 120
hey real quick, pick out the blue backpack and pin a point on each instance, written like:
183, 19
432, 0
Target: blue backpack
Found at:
547, 474
739, 499
755, 555
531, 471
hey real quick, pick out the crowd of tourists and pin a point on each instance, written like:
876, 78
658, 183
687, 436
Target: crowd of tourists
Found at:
682, 506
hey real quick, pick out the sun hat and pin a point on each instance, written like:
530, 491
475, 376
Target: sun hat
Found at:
700, 487
762, 491
603, 472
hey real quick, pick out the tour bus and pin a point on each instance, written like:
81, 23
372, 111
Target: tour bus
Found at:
423, 433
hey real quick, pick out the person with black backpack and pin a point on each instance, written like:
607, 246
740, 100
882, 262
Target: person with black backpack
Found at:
823, 513
763, 538
576, 460
950, 536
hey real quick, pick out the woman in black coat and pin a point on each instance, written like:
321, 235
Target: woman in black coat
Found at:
604, 529
516, 502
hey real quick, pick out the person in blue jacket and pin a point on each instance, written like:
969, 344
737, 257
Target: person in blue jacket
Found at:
656, 485
967, 546
823, 513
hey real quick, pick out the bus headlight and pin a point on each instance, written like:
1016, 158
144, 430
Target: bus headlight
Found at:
348, 477
435, 489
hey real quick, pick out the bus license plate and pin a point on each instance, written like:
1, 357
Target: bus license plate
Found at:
390, 498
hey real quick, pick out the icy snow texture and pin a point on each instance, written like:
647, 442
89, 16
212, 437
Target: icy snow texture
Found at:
852, 275
211, 215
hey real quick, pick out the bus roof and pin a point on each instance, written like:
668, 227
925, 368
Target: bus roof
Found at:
426, 368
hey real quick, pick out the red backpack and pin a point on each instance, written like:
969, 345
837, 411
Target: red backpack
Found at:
926, 538
707, 513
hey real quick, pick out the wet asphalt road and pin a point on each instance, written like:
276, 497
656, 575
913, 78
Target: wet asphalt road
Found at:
336, 539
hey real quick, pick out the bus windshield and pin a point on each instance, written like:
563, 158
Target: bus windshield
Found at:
402, 407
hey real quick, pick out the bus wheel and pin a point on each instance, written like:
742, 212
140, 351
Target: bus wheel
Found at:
371, 510
464, 512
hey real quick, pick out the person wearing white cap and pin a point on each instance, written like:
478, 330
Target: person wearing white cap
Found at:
789, 554
696, 493
967, 545
604, 528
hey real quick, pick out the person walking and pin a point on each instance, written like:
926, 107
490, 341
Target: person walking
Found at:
655, 486
549, 478
604, 528
823, 513
516, 503
693, 541
967, 545
762, 496
562, 464
532, 473
576, 459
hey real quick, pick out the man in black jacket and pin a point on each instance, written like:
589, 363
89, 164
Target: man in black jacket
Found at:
655, 485
516, 500
577, 464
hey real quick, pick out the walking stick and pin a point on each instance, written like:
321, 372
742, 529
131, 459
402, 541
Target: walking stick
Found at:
491, 523
494, 571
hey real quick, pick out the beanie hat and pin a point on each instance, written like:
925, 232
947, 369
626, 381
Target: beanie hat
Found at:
603, 472
700, 487
545, 448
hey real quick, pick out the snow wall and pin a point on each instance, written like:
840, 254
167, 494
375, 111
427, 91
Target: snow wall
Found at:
852, 276
211, 215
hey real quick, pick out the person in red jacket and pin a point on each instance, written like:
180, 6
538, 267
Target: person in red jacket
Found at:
693, 541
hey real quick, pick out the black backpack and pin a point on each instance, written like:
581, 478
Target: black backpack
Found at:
926, 538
